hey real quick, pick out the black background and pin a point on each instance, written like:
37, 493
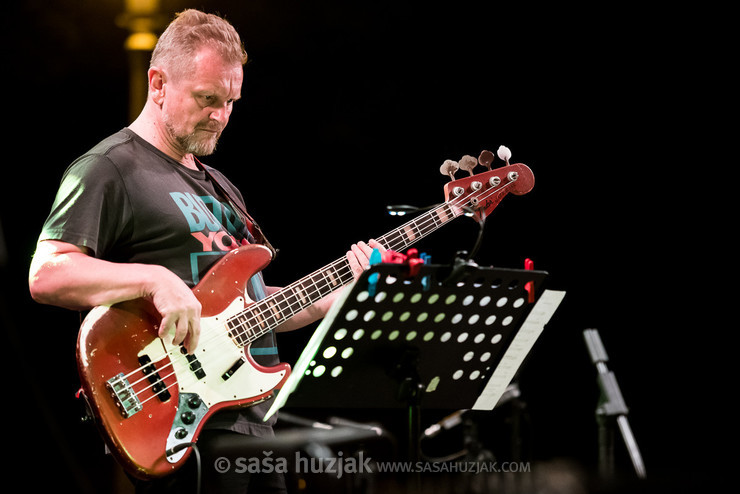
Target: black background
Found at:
350, 106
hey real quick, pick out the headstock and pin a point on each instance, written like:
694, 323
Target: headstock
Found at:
481, 193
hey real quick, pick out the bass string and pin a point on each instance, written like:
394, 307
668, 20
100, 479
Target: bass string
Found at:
261, 310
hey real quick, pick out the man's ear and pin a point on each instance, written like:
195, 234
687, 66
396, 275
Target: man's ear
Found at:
157, 80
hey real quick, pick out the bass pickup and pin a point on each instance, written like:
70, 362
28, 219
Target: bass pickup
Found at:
159, 388
226, 375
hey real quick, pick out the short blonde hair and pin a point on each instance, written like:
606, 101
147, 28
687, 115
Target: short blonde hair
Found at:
190, 31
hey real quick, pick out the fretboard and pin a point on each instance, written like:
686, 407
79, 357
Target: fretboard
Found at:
264, 316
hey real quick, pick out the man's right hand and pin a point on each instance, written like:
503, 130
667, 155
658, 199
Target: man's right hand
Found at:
179, 308
68, 276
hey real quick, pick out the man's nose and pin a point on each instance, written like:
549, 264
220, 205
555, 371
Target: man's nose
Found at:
221, 114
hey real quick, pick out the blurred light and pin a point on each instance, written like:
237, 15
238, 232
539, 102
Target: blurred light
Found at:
142, 6
141, 41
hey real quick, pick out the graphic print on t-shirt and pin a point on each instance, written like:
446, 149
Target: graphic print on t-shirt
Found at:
214, 224
219, 230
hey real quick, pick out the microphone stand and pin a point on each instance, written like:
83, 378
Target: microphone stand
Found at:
612, 409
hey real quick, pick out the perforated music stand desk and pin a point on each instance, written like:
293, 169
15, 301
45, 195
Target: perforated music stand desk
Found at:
428, 341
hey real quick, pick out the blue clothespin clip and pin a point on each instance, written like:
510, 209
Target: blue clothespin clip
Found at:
375, 258
425, 280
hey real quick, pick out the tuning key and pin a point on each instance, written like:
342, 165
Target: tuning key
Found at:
504, 153
449, 167
467, 163
485, 159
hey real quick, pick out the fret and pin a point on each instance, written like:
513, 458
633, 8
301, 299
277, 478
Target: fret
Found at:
260, 320
331, 278
392, 240
397, 239
454, 212
301, 295
437, 222
343, 271
317, 281
443, 215
284, 303
326, 285
275, 312
428, 227
236, 333
408, 230
304, 287
250, 325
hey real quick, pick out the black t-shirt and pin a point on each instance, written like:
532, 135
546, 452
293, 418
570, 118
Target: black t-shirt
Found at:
129, 202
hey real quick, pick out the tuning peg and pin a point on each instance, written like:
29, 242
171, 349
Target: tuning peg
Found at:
449, 167
504, 153
485, 159
467, 163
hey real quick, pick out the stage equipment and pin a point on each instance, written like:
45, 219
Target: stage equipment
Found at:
449, 337
612, 410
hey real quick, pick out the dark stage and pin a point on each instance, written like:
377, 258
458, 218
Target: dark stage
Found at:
348, 107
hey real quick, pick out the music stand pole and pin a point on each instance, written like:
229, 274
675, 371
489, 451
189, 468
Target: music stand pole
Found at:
611, 409
411, 392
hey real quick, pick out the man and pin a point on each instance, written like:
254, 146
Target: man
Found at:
139, 216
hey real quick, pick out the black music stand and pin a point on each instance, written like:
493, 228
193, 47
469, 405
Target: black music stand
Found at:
434, 340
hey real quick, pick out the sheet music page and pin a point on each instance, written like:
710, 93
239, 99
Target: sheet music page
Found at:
519, 348
308, 354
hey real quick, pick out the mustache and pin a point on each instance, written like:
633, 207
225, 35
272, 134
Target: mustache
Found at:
211, 128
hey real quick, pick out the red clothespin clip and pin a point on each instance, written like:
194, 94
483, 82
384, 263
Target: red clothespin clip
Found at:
393, 257
413, 261
529, 286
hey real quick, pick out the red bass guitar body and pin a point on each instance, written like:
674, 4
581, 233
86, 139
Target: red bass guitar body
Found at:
151, 399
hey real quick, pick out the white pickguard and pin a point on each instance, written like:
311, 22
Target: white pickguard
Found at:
216, 353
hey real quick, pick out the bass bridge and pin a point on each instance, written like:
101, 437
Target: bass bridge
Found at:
123, 395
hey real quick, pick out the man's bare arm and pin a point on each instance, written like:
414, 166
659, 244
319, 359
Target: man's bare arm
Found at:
65, 275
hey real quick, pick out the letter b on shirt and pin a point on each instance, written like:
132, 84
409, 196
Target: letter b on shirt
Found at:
196, 213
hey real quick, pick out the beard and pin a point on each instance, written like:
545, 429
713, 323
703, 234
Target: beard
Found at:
198, 142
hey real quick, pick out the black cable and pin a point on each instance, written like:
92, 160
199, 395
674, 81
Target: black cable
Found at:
198, 469
478, 241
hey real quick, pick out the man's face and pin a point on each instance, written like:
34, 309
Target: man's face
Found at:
197, 106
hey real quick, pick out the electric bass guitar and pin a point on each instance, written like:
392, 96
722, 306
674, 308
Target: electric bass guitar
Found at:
150, 399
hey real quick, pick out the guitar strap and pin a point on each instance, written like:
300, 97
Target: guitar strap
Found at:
251, 224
